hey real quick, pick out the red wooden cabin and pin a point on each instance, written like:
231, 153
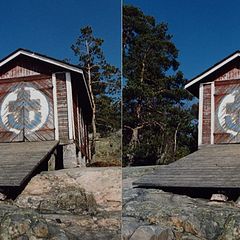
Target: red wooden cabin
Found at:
218, 90
43, 99
215, 166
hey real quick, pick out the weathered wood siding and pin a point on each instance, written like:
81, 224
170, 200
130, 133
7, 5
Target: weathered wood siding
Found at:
24, 67
225, 84
62, 107
80, 123
24, 72
21, 70
227, 111
26, 109
234, 73
76, 113
82, 133
206, 118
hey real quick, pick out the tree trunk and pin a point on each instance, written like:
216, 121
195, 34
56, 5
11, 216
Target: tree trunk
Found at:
94, 129
143, 68
135, 136
161, 151
94, 132
162, 159
175, 140
134, 139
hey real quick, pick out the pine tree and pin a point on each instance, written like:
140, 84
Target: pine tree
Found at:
103, 82
155, 117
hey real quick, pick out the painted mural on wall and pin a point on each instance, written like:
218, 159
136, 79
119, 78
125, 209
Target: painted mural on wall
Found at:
24, 108
227, 114
26, 111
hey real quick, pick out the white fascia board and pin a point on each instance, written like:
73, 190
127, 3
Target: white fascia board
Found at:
200, 115
212, 112
55, 110
212, 70
70, 106
44, 59
54, 62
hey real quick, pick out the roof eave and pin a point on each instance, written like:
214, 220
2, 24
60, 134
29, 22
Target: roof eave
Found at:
49, 60
42, 58
212, 69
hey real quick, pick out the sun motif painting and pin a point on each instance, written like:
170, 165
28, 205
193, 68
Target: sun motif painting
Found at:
24, 109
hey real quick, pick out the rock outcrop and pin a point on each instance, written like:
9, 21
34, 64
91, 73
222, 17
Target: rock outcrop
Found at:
154, 214
77, 190
80, 203
18, 223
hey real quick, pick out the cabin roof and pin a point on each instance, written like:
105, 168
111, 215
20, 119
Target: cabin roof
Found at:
194, 83
49, 60
40, 57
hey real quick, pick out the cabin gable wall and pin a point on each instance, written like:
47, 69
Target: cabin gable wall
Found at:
24, 67
68, 102
234, 73
26, 109
20, 70
211, 129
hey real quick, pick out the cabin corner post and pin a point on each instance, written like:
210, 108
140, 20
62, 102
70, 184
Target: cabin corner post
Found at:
71, 133
55, 110
212, 112
200, 115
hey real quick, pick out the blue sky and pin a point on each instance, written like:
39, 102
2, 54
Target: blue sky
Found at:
51, 26
204, 31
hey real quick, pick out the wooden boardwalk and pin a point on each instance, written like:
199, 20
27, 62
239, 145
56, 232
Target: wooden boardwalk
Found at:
213, 166
19, 160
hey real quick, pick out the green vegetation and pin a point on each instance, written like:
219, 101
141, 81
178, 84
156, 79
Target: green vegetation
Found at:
158, 126
103, 81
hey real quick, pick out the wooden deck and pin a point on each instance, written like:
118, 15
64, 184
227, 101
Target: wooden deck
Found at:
19, 160
213, 166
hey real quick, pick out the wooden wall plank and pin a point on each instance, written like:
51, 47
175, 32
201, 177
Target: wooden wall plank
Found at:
62, 107
206, 118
